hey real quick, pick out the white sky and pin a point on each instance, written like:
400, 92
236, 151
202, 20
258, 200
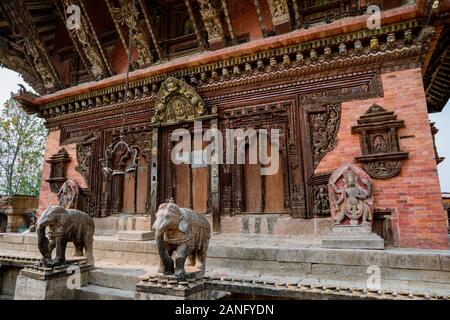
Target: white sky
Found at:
10, 79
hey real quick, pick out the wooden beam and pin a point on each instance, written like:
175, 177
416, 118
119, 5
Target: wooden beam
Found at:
94, 34
150, 29
297, 14
127, 23
194, 24
260, 18
119, 29
230, 26
60, 9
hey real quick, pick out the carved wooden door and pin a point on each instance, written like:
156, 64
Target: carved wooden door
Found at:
186, 184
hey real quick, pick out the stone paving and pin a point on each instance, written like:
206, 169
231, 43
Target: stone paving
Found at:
270, 259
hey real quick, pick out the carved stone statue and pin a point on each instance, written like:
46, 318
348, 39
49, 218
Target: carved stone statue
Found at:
65, 225
68, 195
352, 199
184, 233
350, 191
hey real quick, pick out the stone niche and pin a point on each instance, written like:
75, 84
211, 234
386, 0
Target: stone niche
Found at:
58, 169
381, 155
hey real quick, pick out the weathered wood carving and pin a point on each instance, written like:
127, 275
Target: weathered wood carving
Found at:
212, 24
434, 132
324, 124
30, 44
177, 101
381, 154
126, 19
86, 41
280, 15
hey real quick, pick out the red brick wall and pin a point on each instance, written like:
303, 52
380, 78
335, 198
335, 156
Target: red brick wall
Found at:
415, 195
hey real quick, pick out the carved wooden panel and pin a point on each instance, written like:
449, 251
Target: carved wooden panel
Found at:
321, 203
138, 138
323, 121
275, 115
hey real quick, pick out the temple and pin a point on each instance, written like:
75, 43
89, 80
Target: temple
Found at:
342, 82
307, 68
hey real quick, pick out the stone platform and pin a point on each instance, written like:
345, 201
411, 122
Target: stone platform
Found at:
352, 237
267, 259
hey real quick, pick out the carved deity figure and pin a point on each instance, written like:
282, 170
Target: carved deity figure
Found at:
349, 199
68, 195
321, 203
177, 100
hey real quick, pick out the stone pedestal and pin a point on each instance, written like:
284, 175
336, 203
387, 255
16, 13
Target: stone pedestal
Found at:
352, 237
161, 287
58, 283
136, 235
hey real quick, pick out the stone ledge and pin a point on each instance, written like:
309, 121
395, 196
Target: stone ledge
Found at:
421, 261
445, 262
109, 248
12, 237
136, 236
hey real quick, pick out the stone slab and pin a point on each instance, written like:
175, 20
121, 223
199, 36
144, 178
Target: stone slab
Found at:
414, 260
13, 237
445, 262
353, 243
94, 292
116, 278
136, 235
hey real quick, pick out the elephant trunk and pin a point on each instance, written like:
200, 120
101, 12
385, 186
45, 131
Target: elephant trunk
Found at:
43, 242
163, 253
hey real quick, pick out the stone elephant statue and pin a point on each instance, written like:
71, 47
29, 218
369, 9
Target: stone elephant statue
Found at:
65, 225
183, 232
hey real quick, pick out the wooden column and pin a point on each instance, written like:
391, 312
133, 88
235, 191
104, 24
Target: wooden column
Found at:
154, 176
215, 183
150, 29
260, 18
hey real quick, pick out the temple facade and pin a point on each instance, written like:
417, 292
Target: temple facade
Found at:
340, 81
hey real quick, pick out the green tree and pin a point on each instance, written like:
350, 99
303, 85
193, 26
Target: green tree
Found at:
22, 139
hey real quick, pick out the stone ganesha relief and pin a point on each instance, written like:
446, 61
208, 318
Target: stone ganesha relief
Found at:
184, 233
65, 225
350, 193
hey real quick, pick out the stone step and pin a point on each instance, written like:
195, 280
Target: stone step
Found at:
116, 278
6, 297
94, 292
